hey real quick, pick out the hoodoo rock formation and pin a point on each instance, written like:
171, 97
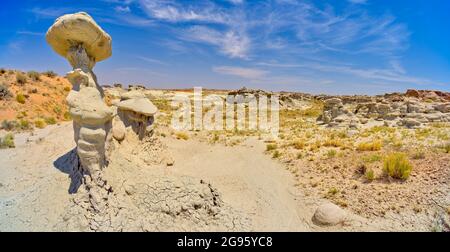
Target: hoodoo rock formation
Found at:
83, 43
107, 136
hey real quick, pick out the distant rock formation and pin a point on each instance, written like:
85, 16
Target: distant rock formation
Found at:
411, 110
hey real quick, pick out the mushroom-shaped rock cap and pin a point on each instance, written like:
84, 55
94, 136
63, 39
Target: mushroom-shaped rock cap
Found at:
139, 105
79, 29
133, 94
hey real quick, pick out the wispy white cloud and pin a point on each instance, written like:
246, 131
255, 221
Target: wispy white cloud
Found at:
49, 12
230, 43
231, 38
151, 60
173, 11
122, 9
31, 33
246, 73
294, 31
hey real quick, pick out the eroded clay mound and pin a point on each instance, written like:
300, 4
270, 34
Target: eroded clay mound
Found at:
163, 204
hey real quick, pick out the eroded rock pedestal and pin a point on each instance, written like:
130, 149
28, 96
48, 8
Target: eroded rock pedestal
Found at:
83, 43
115, 145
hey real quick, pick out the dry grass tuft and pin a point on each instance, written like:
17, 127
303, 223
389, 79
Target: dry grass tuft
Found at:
397, 165
181, 135
370, 146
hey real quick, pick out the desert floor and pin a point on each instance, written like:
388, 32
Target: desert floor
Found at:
34, 193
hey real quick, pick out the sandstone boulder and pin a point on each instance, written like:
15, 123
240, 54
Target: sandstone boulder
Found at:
410, 122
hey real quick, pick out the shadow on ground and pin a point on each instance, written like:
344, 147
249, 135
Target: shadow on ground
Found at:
67, 164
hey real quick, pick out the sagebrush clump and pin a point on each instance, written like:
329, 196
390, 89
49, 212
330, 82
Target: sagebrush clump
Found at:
9, 125
4, 92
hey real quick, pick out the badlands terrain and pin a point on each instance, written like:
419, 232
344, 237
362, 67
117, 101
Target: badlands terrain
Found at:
340, 163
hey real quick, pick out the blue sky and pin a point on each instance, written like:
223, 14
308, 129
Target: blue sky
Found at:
333, 47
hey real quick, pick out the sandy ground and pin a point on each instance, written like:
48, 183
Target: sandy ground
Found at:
248, 180
33, 193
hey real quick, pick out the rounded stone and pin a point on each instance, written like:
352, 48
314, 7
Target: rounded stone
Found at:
119, 132
329, 214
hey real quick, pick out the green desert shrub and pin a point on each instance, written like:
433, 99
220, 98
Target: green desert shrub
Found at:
333, 191
369, 175
57, 109
299, 144
331, 153
397, 165
419, 154
35, 76
7, 141
21, 78
271, 147
333, 142
372, 158
446, 147
20, 98
50, 120
24, 124
276, 154
67, 116
39, 123
49, 74
2, 71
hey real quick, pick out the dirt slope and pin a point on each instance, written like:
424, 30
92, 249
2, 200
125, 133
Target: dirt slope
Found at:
36, 102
